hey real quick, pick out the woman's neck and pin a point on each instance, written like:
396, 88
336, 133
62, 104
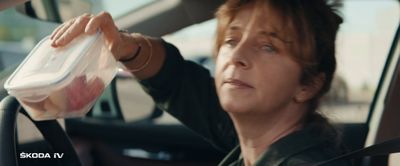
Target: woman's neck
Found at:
257, 132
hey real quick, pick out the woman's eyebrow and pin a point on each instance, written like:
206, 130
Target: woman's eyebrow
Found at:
275, 35
265, 33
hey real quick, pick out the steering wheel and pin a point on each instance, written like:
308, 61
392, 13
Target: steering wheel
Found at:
51, 131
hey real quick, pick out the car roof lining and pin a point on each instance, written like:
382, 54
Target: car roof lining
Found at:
181, 13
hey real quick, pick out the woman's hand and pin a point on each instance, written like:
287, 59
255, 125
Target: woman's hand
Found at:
149, 59
88, 24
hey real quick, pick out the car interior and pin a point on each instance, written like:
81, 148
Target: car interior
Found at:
107, 135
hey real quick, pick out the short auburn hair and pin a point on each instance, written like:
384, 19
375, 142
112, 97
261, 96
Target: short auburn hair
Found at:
312, 26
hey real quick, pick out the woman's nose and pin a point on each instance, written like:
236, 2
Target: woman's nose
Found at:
240, 56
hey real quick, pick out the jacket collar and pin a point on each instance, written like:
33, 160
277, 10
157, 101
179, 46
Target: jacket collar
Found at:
281, 150
288, 146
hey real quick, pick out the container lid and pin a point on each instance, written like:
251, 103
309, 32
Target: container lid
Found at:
46, 66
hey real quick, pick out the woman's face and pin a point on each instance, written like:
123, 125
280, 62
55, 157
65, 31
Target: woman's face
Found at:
255, 71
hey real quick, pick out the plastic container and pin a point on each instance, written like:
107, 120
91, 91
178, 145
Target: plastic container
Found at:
63, 82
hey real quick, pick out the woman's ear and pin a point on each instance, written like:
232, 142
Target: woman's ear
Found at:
309, 90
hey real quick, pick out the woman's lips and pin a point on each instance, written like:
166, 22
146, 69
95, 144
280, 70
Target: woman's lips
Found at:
237, 83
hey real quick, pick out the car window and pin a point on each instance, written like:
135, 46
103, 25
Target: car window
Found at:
362, 43
187, 41
135, 103
17, 38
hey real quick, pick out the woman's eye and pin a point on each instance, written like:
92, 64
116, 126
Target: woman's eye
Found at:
230, 42
268, 48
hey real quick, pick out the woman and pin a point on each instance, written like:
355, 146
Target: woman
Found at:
274, 61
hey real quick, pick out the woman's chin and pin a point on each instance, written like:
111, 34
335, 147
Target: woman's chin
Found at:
236, 106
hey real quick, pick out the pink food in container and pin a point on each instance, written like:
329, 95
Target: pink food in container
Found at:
63, 82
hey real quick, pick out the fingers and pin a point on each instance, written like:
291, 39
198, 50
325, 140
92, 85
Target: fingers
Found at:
94, 23
73, 31
88, 24
69, 30
105, 22
59, 31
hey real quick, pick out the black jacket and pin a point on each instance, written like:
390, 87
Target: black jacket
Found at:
187, 91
